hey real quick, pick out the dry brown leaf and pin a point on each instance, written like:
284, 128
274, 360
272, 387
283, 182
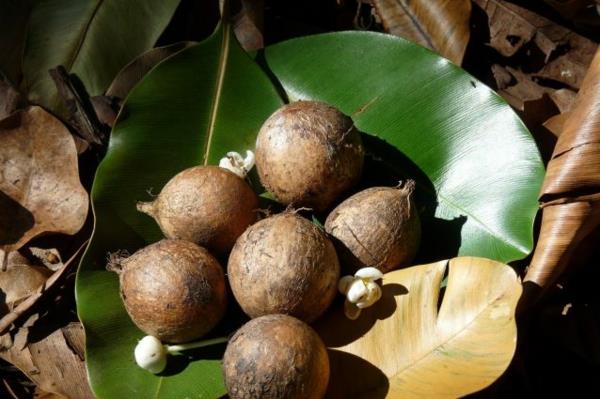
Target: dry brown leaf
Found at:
7, 320
10, 99
133, 72
248, 24
54, 363
564, 99
49, 257
570, 68
556, 123
40, 189
414, 344
442, 25
19, 281
569, 8
571, 191
523, 89
512, 27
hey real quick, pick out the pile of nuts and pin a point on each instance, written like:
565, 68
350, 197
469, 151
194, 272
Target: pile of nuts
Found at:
283, 270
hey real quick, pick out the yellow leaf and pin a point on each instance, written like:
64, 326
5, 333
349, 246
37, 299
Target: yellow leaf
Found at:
407, 347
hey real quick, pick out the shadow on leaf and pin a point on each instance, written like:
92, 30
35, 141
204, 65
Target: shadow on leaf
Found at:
385, 165
352, 376
337, 330
14, 219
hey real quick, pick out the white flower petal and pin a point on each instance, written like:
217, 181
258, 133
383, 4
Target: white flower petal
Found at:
351, 311
374, 291
225, 163
370, 273
249, 161
231, 165
150, 354
235, 157
357, 291
344, 284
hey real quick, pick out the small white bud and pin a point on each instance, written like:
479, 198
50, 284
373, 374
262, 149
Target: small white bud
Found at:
373, 295
344, 284
249, 161
150, 354
361, 290
357, 291
374, 291
370, 273
234, 162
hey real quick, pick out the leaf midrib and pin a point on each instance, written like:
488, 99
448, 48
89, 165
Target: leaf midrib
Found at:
212, 123
218, 89
82, 37
422, 31
428, 352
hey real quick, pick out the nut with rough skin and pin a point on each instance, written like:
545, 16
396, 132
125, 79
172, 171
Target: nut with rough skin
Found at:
284, 264
377, 227
173, 290
276, 357
308, 154
207, 205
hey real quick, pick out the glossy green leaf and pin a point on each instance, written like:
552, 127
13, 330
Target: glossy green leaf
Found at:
190, 109
92, 39
13, 25
476, 165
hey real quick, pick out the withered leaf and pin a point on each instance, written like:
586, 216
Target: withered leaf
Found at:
248, 24
571, 191
7, 321
512, 27
10, 99
53, 364
50, 257
564, 99
20, 280
442, 26
556, 123
40, 190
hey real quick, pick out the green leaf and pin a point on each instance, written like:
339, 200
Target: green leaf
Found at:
477, 167
13, 22
93, 39
190, 109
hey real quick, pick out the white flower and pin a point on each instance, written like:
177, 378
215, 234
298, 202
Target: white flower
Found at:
361, 290
234, 162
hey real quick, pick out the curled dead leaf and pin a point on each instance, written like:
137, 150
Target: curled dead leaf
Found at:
570, 194
567, 54
19, 281
40, 190
442, 26
248, 24
10, 99
49, 257
25, 304
54, 363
